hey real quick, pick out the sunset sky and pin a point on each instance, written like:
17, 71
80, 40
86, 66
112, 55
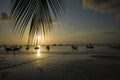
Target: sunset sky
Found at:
84, 21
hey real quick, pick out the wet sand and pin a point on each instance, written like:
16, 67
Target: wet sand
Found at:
62, 67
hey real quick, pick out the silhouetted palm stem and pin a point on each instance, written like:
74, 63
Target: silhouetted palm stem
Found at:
37, 16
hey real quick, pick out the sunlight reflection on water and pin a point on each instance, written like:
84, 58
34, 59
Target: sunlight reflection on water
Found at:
38, 52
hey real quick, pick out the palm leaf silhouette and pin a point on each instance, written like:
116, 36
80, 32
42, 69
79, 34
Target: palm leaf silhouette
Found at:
35, 15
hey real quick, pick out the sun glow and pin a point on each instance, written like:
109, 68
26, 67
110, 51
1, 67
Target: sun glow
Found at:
39, 39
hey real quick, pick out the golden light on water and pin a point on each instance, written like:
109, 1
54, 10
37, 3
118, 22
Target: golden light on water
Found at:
38, 52
38, 41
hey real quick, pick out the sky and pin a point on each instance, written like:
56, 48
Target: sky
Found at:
84, 21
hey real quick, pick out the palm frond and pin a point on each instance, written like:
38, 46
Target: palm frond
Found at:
35, 15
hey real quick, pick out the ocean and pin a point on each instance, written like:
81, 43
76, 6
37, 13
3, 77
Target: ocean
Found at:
66, 50
61, 63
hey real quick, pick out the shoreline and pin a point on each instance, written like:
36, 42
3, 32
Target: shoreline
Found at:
64, 67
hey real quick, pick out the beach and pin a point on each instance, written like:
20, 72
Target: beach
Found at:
59, 39
61, 66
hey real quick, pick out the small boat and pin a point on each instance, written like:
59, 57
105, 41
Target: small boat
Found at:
12, 48
74, 47
54, 44
114, 46
36, 47
27, 48
17, 48
90, 46
48, 47
8, 49
60, 44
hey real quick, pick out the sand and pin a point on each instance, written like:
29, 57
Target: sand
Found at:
60, 67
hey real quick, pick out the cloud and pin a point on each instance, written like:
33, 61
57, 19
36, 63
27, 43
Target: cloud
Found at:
117, 17
4, 17
118, 30
110, 32
103, 6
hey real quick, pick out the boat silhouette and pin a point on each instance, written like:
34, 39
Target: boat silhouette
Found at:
74, 47
90, 46
36, 47
12, 48
114, 46
27, 48
48, 47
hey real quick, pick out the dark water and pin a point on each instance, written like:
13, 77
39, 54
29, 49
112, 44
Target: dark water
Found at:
59, 66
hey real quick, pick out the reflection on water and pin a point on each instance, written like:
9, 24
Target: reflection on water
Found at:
38, 52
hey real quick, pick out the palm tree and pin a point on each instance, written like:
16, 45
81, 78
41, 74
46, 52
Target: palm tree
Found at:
35, 15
